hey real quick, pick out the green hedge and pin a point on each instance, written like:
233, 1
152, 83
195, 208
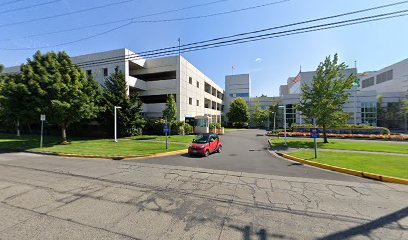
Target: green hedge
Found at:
346, 128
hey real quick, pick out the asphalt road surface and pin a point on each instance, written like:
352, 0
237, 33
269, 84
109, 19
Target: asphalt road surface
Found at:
247, 151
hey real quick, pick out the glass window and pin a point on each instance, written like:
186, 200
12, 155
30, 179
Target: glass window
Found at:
198, 84
190, 80
198, 102
88, 73
105, 72
190, 101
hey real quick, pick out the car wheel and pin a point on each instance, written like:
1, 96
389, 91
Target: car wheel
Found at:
219, 150
207, 153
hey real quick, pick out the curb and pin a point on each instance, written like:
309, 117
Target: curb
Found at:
117, 158
349, 171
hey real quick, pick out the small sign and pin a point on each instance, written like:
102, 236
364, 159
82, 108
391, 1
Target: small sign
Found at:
166, 128
42, 117
314, 133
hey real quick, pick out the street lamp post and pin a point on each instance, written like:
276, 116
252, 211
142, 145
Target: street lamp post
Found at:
274, 121
115, 120
355, 106
284, 121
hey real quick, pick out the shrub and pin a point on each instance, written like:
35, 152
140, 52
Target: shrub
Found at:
212, 126
218, 125
188, 129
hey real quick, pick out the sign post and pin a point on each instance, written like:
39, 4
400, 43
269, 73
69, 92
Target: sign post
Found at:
42, 118
314, 133
166, 130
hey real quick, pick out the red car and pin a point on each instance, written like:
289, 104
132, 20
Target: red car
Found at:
205, 144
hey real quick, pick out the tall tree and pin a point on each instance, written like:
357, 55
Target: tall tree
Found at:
324, 97
60, 89
170, 112
405, 105
259, 116
18, 104
238, 112
115, 92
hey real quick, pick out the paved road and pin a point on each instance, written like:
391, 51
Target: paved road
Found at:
48, 197
247, 151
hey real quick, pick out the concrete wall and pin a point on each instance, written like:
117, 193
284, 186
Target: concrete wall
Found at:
398, 83
236, 85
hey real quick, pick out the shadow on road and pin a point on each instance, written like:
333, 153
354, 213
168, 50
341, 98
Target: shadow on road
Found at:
365, 229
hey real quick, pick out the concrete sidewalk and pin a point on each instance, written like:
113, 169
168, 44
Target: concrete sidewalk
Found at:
48, 197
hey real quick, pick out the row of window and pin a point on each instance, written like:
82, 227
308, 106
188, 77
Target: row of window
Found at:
380, 78
239, 95
105, 72
190, 80
190, 101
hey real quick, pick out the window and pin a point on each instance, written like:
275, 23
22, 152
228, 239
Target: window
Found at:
368, 82
88, 73
198, 102
105, 72
190, 80
242, 94
385, 76
190, 101
198, 84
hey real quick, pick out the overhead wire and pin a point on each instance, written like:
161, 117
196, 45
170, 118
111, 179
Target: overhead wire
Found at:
269, 29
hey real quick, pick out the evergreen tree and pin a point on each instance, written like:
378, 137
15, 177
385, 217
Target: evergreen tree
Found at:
115, 92
170, 112
323, 99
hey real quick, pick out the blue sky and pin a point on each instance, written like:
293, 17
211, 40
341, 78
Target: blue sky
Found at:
270, 62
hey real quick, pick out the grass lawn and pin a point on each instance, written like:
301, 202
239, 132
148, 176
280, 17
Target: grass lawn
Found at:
345, 145
394, 166
175, 138
124, 147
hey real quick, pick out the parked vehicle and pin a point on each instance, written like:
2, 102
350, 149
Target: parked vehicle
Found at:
205, 144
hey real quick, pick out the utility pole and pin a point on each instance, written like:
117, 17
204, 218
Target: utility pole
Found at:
179, 45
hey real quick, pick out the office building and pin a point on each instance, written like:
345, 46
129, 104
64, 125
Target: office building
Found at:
155, 79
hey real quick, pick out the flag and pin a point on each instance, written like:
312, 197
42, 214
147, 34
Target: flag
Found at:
298, 78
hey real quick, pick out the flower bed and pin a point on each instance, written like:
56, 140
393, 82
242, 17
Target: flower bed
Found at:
357, 136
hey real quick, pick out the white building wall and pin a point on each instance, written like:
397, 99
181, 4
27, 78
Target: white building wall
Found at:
398, 83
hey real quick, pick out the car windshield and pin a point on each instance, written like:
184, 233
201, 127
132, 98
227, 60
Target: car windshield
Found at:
201, 139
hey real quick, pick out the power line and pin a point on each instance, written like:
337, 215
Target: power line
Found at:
132, 21
29, 7
160, 53
118, 21
155, 53
269, 29
11, 2
65, 14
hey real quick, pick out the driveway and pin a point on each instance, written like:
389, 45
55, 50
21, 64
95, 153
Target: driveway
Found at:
49, 197
247, 151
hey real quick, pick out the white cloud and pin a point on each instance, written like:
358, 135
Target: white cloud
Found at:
258, 60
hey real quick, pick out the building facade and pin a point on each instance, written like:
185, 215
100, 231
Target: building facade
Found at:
155, 79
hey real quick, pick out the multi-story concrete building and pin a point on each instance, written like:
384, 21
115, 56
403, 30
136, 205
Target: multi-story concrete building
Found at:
237, 86
155, 79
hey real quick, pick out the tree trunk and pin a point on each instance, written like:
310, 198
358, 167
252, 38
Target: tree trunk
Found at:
325, 134
18, 128
63, 133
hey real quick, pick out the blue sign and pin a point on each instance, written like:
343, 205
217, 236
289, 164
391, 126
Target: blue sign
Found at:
166, 128
314, 133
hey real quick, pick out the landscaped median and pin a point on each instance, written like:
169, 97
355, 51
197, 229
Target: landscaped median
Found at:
381, 161
102, 148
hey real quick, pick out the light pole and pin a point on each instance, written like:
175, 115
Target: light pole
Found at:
284, 121
274, 121
355, 106
115, 120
